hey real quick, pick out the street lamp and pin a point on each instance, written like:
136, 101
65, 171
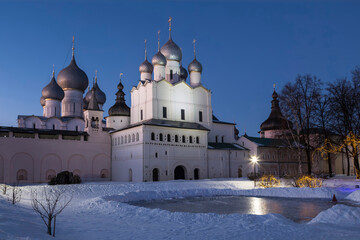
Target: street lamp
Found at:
254, 159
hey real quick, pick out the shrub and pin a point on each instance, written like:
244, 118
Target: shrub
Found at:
65, 177
308, 181
268, 181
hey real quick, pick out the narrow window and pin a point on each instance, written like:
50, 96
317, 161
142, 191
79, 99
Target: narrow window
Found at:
125, 139
164, 112
222, 139
171, 74
76, 128
74, 107
183, 139
34, 125
182, 114
122, 139
137, 136
141, 114
169, 138
156, 155
216, 139
161, 137
200, 116
197, 140
190, 139
176, 138
153, 136
53, 126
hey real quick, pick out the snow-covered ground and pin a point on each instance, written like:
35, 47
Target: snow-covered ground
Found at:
100, 211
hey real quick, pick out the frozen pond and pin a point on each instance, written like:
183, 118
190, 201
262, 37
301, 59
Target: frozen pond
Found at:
299, 210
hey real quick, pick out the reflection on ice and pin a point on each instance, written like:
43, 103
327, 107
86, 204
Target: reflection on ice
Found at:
296, 209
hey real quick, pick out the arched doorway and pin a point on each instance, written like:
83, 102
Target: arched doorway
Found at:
239, 172
196, 174
179, 172
155, 173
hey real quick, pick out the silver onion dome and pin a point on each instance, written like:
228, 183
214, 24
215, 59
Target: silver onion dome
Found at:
195, 66
146, 67
158, 59
53, 90
100, 95
183, 73
119, 108
72, 77
42, 101
171, 51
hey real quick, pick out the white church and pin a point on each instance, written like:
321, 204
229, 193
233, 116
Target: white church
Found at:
168, 133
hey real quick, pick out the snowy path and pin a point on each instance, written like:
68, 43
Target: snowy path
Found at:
99, 211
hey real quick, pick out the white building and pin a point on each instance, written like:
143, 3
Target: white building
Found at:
168, 133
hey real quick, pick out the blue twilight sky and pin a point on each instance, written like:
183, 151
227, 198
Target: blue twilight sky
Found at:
244, 47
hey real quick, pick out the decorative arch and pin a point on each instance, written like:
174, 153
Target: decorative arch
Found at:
77, 162
180, 172
99, 163
50, 162
22, 161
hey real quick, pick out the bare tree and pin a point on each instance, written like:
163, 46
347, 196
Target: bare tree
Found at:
50, 203
297, 102
4, 188
15, 195
345, 107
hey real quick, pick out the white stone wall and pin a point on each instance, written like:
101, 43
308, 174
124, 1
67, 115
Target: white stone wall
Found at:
117, 122
52, 108
222, 133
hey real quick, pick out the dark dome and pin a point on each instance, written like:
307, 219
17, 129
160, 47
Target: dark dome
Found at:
275, 121
72, 77
146, 67
171, 51
195, 66
100, 95
183, 73
119, 108
53, 90
158, 59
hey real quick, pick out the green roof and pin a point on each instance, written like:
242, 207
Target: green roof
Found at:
268, 142
225, 146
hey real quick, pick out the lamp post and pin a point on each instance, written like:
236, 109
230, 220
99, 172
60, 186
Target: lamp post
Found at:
254, 159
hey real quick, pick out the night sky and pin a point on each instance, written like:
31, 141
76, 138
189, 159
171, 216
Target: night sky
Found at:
244, 46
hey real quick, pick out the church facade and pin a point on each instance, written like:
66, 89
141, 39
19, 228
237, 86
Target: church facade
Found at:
168, 133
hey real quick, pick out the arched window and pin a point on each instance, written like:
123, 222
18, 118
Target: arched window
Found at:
125, 139
222, 139
239, 172
190, 139
197, 140
129, 138
153, 136
122, 139
161, 137
183, 139
216, 139
133, 137
155, 173
137, 136
104, 173
156, 155
21, 175
169, 138
50, 174
176, 138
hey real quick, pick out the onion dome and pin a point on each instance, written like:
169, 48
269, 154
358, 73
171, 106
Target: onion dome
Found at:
195, 66
119, 108
171, 51
72, 77
146, 67
183, 73
158, 59
100, 95
275, 121
53, 90
42, 101
93, 104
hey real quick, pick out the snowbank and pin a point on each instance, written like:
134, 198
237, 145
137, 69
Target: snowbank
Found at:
339, 215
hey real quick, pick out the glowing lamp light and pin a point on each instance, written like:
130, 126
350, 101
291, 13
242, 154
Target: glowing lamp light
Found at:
254, 159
